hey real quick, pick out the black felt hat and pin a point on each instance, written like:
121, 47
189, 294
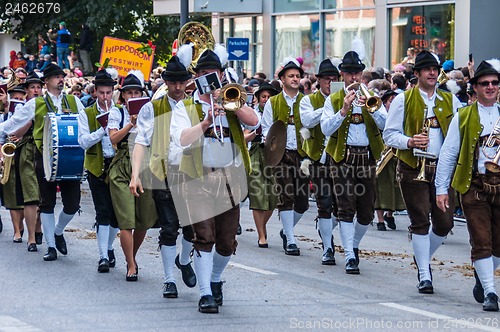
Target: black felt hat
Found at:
17, 88
208, 60
266, 87
327, 68
32, 78
103, 78
133, 81
351, 63
175, 71
292, 64
53, 70
425, 59
484, 68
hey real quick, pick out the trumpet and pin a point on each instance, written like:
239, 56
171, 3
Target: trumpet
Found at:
8, 150
372, 103
492, 165
387, 155
232, 96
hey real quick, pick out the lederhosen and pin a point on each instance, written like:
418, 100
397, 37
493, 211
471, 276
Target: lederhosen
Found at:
292, 184
419, 196
261, 183
70, 189
479, 193
97, 170
322, 183
353, 167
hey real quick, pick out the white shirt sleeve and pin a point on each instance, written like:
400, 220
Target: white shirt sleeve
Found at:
180, 121
394, 132
380, 117
330, 121
86, 139
267, 117
245, 126
308, 115
448, 157
115, 118
145, 125
22, 115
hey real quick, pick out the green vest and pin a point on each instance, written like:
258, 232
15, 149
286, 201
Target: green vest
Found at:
414, 118
470, 129
336, 146
41, 110
314, 145
160, 141
281, 112
192, 163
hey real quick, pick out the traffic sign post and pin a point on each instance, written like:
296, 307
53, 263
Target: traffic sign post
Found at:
238, 49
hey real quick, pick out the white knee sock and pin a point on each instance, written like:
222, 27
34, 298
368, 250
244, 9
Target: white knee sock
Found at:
359, 232
484, 270
48, 224
112, 236
62, 222
325, 229
496, 262
186, 248
435, 242
220, 263
203, 264
168, 259
286, 218
421, 246
296, 217
102, 240
347, 235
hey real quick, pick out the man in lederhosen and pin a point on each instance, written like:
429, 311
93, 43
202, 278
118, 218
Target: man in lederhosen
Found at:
292, 184
153, 125
354, 145
404, 131
311, 109
99, 152
467, 157
36, 109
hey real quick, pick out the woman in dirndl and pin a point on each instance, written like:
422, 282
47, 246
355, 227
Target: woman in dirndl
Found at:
261, 192
135, 215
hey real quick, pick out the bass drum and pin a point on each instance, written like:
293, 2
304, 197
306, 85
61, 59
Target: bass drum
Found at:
62, 155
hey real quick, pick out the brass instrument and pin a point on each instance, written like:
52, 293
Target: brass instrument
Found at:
493, 165
422, 153
12, 82
201, 38
232, 96
442, 78
387, 155
8, 153
372, 103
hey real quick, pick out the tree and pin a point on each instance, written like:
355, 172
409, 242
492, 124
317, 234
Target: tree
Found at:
126, 19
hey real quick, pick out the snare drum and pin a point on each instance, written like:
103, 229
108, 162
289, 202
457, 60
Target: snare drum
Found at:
62, 155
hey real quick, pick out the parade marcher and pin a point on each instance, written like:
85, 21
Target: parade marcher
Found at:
135, 214
153, 125
311, 109
466, 161
355, 143
220, 161
99, 152
419, 119
292, 184
36, 109
261, 182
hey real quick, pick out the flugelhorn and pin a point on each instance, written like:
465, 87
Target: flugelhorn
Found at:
232, 96
423, 154
387, 155
372, 103
200, 36
8, 150
442, 78
492, 165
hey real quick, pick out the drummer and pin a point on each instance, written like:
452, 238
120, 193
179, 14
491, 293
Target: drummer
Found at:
36, 109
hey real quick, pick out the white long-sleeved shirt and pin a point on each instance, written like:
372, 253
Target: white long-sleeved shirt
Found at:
310, 117
451, 147
267, 121
394, 129
356, 136
87, 139
214, 154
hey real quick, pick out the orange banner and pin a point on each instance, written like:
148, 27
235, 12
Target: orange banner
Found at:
124, 57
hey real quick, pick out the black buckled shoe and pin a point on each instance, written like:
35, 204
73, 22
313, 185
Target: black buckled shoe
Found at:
391, 222
32, 247
187, 271
283, 237
328, 257
170, 290
381, 226
292, 250
112, 258
425, 287
478, 291
61, 244
207, 305
103, 265
216, 288
38, 237
351, 267
490, 302
51, 255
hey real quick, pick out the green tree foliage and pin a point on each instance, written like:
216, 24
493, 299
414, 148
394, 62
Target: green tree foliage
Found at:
126, 19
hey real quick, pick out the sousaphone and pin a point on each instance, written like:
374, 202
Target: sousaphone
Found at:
201, 38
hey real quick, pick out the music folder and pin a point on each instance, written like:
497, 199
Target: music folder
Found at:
13, 103
135, 104
103, 119
3, 87
208, 83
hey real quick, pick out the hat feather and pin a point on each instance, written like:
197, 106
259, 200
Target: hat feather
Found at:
304, 166
221, 52
289, 59
495, 63
336, 61
358, 46
453, 87
305, 133
138, 74
112, 72
185, 54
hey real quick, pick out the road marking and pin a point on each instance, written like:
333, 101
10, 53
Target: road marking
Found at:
253, 269
463, 323
11, 324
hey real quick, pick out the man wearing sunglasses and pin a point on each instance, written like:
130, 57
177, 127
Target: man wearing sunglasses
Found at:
472, 142
418, 122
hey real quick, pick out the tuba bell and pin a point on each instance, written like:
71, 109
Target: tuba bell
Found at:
232, 96
8, 150
372, 103
200, 36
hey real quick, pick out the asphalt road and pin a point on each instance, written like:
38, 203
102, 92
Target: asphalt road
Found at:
265, 290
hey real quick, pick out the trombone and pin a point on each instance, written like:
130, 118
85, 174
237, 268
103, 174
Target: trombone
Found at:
372, 103
493, 165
